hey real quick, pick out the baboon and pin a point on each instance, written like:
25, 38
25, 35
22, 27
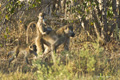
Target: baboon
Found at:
41, 30
54, 39
26, 51
41, 24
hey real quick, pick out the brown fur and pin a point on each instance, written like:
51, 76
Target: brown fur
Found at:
54, 39
26, 51
40, 29
27, 31
40, 32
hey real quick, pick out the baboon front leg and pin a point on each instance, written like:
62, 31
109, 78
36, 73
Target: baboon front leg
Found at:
26, 59
66, 44
26, 54
53, 50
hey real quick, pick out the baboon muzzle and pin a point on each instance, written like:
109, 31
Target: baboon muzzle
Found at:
73, 34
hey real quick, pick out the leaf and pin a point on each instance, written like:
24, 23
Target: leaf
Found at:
7, 30
1, 45
9, 9
88, 11
6, 17
20, 21
91, 23
38, 1
5, 36
12, 10
33, 5
84, 4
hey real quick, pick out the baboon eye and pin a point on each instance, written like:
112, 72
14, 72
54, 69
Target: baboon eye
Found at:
30, 46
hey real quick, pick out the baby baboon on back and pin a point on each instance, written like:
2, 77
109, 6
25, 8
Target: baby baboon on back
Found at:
41, 24
41, 30
26, 51
40, 27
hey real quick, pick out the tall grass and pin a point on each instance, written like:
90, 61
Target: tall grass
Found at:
91, 62
18, 76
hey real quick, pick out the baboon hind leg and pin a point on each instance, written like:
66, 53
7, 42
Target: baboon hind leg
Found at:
39, 44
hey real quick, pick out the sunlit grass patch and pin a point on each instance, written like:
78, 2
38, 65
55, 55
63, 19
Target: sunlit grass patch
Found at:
18, 76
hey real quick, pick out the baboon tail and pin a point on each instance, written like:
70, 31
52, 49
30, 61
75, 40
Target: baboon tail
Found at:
28, 30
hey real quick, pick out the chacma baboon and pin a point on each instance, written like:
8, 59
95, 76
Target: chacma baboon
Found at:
26, 51
41, 24
54, 39
41, 30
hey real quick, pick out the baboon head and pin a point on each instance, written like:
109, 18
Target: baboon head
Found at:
69, 30
41, 15
33, 49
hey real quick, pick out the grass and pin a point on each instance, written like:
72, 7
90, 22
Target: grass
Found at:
88, 62
17, 76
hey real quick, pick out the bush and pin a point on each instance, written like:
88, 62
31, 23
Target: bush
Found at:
91, 60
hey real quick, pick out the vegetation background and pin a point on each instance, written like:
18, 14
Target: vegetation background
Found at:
94, 51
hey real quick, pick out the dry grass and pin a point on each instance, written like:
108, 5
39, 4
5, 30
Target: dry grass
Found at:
85, 60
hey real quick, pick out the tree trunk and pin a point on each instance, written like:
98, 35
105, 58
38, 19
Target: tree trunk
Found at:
119, 14
114, 7
104, 16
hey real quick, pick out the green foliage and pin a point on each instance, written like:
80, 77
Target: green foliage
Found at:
88, 57
1, 45
91, 59
6, 33
6, 17
5, 36
15, 5
110, 12
117, 33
